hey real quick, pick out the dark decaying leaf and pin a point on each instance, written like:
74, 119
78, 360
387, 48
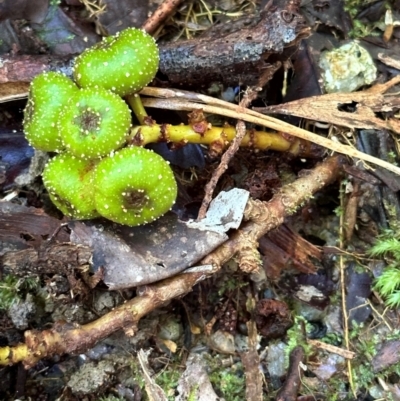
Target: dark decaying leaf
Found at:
358, 288
122, 14
305, 78
313, 289
238, 57
388, 355
15, 156
187, 156
379, 143
64, 35
31, 10
133, 256
24, 227
330, 13
55, 28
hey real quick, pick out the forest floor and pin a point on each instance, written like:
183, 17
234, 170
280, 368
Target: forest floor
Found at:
287, 286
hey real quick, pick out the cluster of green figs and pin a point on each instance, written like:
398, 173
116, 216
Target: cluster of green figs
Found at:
86, 121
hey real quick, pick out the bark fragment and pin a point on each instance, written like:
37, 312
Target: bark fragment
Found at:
234, 58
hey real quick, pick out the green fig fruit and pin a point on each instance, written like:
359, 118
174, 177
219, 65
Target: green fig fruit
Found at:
123, 63
134, 186
48, 94
70, 183
94, 123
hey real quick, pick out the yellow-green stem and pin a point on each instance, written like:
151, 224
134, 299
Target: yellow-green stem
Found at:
216, 137
137, 107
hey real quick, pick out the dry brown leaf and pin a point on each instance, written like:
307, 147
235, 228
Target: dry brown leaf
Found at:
328, 108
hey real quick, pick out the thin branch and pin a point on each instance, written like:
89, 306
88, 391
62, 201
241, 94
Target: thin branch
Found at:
289, 390
343, 290
164, 11
250, 95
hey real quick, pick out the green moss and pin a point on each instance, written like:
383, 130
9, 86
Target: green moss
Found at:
13, 289
333, 339
231, 283
366, 344
296, 336
168, 381
388, 283
192, 394
228, 383
361, 28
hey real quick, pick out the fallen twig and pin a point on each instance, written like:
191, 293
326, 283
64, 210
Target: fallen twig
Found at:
289, 390
265, 216
251, 359
164, 10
